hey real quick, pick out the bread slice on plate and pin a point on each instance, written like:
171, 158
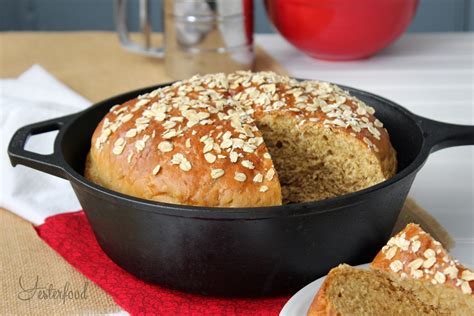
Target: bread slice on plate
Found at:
426, 268
412, 275
352, 291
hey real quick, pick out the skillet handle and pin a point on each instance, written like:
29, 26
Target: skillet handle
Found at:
441, 135
46, 163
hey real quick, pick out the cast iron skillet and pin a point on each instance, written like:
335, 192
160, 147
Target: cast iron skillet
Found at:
240, 251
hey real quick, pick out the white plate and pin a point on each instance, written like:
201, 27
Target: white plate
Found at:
299, 303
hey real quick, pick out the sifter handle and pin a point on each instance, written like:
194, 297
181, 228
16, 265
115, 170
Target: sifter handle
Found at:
145, 26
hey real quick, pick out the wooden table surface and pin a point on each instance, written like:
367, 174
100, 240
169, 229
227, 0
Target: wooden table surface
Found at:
91, 63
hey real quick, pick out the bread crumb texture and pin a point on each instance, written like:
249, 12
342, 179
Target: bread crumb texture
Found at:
350, 291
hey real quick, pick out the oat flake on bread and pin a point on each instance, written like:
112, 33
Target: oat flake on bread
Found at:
240, 140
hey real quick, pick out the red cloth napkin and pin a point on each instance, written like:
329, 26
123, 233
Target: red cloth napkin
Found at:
71, 236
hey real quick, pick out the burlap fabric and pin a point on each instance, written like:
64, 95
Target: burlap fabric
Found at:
26, 263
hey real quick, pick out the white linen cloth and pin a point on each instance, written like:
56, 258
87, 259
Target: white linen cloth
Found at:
34, 96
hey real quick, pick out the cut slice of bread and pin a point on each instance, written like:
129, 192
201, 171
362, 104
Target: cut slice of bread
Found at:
426, 268
412, 271
351, 291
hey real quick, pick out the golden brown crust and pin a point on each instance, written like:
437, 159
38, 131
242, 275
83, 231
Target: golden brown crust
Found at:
321, 306
413, 253
197, 143
212, 160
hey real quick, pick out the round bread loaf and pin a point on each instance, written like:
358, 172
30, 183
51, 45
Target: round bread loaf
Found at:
240, 140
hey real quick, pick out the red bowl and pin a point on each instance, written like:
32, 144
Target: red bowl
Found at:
341, 29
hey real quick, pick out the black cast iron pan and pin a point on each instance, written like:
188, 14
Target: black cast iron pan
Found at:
240, 251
